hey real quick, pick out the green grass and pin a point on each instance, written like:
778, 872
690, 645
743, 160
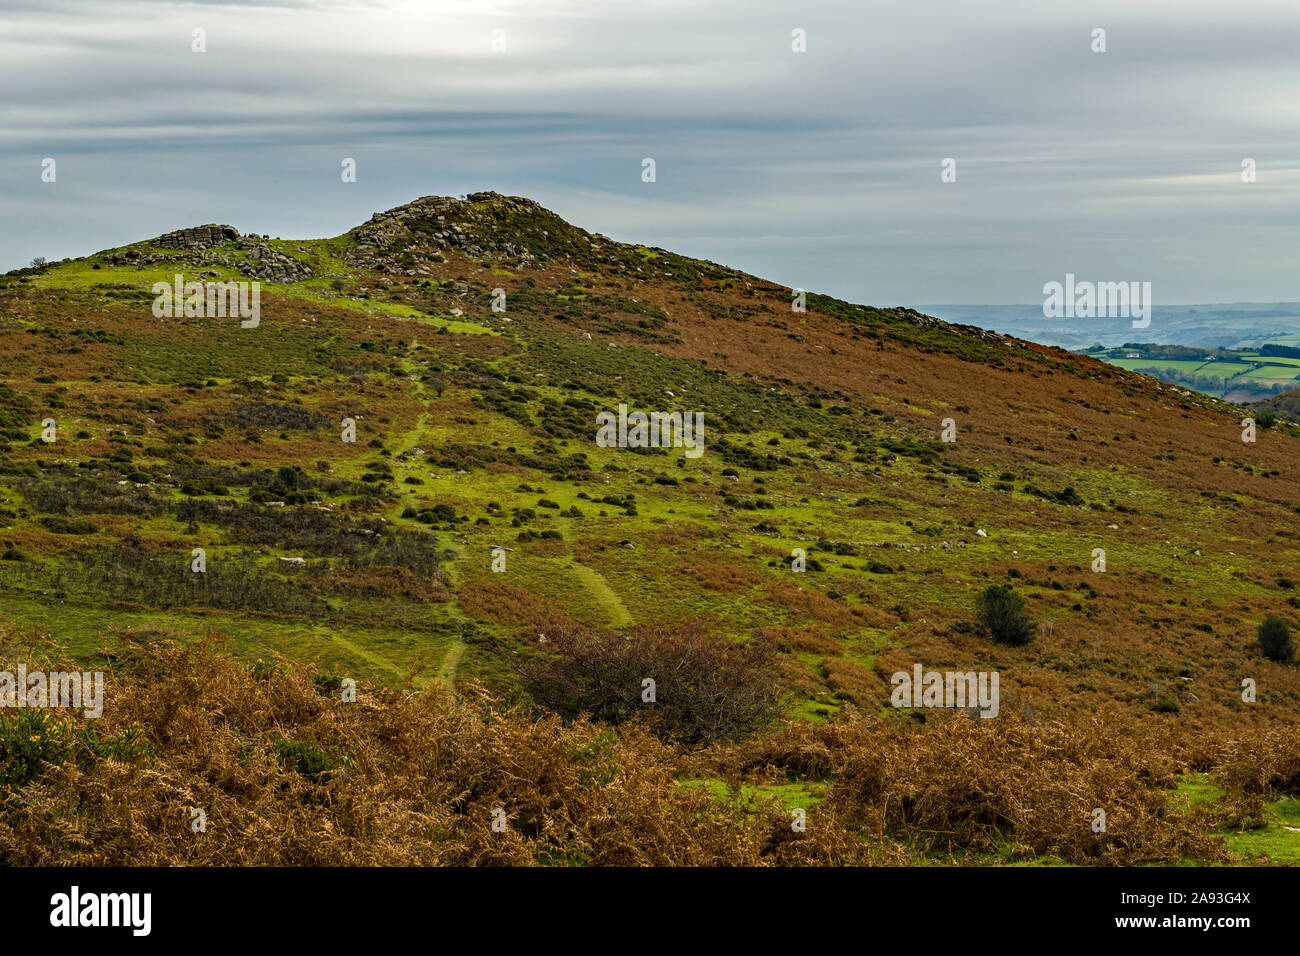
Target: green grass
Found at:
1278, 840
801, 795
382, 653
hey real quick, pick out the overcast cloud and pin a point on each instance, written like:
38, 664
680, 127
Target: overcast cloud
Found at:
819, 170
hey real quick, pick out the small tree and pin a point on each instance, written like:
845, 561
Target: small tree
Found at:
1275, 640
39, 262
1001, 611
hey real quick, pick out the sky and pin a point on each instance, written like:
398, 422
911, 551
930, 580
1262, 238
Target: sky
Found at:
818, 169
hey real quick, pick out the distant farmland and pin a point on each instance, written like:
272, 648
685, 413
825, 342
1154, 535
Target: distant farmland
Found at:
1244, 375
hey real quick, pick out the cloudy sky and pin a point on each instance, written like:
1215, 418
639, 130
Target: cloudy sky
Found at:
818, 169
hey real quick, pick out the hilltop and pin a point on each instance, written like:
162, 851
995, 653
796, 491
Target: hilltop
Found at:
472, 343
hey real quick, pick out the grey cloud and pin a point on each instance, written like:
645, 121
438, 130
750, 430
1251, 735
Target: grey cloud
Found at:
819, 169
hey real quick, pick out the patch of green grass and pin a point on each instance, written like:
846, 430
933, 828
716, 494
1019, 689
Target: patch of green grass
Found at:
1279, 839
801, 795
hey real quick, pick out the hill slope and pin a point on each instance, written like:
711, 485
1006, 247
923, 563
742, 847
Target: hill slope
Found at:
475, 429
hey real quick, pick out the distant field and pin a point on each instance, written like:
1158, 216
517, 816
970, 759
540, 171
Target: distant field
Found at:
1138, 365
1246, 375
1273, 373
1224, 370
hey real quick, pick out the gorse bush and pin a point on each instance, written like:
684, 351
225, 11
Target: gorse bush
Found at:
34, 739
28, 740
1275, 640
309, 760
1001, 611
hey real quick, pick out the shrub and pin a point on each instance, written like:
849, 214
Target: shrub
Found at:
32, 740
1001, 611
29, 739
309, 760
1168, 704
1275, 640
707, 688
203, 486
60, 525
279, 415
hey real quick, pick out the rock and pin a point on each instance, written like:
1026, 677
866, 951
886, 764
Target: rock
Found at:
982, 533
269, 265
197, 237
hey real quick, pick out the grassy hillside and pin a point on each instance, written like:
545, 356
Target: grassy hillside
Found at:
475, 430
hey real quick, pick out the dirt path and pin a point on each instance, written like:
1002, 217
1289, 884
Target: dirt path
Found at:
604, 595
369, 656
450, 661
